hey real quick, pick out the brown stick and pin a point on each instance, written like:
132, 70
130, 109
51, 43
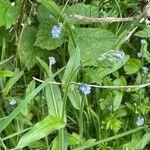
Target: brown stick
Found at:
101, 20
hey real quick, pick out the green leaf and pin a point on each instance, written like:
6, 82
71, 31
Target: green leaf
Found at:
82, 9
28, 52
117, 99
145, 33
30, 88
41, 130
5, 61
72, 140
52, 7
92, 42
72, 67
97, 74
25, 102
10, 83
9, 14
144, 141
6, 73
54, 100
132, 66
44, 37
74, 97
52, 93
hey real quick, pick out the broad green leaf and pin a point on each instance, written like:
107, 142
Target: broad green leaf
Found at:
52, 93
9, 14
145, 33
25, 102
41, 130
132, 66
52, 7
6, 73
92, 42
54, 100
74, 97
28, 52
97, 74
72, 67
117, 99
10, 83
82, 9
144, 141
44, 37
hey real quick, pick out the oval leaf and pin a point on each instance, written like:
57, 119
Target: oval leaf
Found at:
40, 130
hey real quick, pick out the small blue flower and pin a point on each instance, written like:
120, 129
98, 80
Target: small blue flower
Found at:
139, 121
52, 61
12, 102
56, 31
143, 41
145, 70
86, 89
119, 54
139, 55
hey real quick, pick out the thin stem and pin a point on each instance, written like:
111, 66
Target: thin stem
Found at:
102, 86
81, 119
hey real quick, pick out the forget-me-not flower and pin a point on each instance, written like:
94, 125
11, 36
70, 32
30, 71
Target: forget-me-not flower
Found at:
56, 31
145, 70
139, 55
86, 89
139, 121
52, 61
12, 102
119, 54
143, 41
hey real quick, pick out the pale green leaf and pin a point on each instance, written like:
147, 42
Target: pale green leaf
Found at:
10, 83
72, 67
117, 99
28, 52
92, 42
41, 130
132, 66
6, 73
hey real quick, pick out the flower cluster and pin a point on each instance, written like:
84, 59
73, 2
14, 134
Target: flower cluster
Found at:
52, 61
56, 31
139, 55
112, 56
145, 70
86, 89
119, 55
139, 121
143, 41
12, 102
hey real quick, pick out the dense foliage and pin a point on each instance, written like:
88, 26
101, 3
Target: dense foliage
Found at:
71, 83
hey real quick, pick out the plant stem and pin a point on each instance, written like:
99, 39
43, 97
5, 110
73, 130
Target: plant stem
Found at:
81, 119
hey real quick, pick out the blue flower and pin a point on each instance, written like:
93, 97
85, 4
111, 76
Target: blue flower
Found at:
139, 121
86, 89
56, 31
145, 70
52, 61
12, 102
143, 41
119, 54
139, 55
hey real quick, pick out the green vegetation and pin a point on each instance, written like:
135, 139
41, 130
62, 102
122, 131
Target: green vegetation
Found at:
74, 74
